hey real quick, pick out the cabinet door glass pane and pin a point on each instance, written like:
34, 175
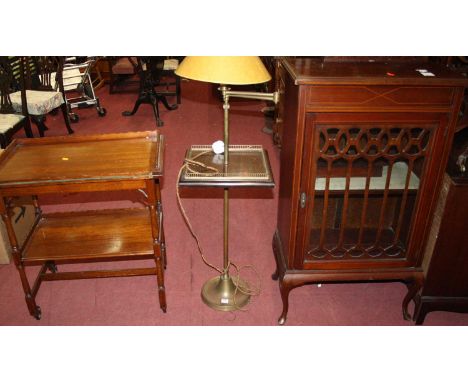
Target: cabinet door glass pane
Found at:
366, 187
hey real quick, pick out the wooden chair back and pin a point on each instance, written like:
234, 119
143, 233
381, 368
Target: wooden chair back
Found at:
38, 73
6, 79
11, 80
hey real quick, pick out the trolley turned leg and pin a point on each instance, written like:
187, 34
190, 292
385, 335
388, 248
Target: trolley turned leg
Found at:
6, 213
34, 309
161, 224
152, 187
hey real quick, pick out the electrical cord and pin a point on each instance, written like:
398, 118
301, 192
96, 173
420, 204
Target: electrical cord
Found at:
187, 163
190, 165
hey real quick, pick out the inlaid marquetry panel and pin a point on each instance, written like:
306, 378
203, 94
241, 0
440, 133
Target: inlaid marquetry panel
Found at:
379, 96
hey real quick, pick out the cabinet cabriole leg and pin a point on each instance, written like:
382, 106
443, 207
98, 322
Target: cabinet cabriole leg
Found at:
275, 275
276, 246
413, 287
284, 291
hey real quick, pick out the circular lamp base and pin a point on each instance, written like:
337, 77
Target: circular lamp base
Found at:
220, 293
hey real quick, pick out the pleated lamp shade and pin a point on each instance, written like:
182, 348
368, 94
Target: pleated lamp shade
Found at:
226, 70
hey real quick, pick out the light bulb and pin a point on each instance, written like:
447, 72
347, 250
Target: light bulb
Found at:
218, 147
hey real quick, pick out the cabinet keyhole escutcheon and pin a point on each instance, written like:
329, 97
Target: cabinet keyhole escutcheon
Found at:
303, 199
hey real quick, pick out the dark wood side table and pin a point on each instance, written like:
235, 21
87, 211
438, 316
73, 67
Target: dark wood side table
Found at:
363, 152
95, 163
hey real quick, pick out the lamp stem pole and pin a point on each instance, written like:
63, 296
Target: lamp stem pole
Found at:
222, 292
224, 89
226, 233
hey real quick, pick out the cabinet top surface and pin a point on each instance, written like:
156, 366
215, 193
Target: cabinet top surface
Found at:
309, 71
77, 159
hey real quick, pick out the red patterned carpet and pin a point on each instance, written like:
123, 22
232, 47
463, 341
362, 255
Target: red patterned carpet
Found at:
134, 300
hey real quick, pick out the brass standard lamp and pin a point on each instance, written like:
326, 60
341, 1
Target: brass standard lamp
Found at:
221, 292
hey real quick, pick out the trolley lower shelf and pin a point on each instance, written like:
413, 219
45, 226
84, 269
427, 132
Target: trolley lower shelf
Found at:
86, 236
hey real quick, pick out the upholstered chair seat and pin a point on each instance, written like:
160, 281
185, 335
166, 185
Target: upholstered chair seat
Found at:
39, 102
9, 121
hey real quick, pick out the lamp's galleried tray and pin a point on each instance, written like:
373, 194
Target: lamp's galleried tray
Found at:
248, 166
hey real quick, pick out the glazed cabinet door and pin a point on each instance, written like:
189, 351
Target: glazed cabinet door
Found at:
367, 187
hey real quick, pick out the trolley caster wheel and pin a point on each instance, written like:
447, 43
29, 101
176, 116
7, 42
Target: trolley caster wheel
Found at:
101, 111
38, 313
74, 118
52, 267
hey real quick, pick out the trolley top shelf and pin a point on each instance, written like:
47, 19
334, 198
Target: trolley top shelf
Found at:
77, 159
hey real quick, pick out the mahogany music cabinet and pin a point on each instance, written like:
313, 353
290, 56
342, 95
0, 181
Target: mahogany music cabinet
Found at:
94, 163
363, 152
